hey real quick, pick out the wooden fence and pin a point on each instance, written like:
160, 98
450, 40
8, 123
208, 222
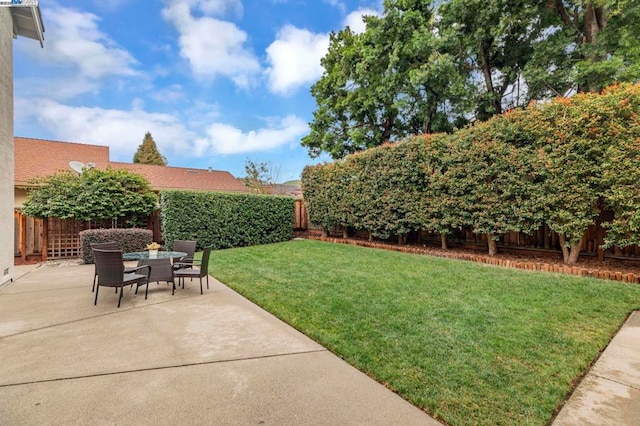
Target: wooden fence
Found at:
541, 242
301, 216
55, 238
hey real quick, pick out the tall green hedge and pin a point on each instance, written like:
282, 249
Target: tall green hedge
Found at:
225, 220
559, 163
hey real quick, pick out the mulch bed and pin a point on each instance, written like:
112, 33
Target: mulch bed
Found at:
611, 269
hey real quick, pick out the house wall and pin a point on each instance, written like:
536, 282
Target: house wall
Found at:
6, 146
20, 196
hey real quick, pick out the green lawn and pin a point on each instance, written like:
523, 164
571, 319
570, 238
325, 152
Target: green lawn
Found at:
468, 343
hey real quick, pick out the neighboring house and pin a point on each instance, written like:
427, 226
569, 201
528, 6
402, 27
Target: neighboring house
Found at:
36, 158
284, 189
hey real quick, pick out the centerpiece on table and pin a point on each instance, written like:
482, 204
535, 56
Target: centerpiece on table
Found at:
153, 249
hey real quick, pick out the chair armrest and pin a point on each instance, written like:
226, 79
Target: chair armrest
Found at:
186, 264
142, 267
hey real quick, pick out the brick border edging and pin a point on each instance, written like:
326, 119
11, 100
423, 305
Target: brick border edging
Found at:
628, 277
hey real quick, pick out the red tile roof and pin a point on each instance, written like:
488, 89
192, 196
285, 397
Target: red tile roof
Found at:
165, 177
38, 158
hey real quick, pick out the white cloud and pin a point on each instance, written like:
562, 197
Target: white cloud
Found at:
169, 94
219, 7
210, 7
213, 47
226, 139
294, 59
354, 19
75, 42
121, 130
336, 3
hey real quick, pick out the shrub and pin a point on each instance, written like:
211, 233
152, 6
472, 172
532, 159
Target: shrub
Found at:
127, 240
559, 163
223, 220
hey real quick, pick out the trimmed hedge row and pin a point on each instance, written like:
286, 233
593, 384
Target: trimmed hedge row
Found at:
559, 163
127, 240
225, 220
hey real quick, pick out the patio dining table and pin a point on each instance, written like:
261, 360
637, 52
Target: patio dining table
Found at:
159, 262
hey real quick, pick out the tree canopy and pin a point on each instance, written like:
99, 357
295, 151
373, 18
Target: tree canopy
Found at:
93, 195
148, 153
426, 67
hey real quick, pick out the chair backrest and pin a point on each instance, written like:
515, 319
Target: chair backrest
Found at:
109, 267
185, 246
109, 245
204, 266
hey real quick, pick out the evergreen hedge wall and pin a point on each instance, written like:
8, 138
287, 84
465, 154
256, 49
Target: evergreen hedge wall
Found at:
225, 220
558, 163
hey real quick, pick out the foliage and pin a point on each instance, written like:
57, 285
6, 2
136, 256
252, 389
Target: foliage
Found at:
127, 240
468, 344
417, 70
93, 195
260, 177
148, 153
493, 44
559, 163
587, 46
223, 220
384, 84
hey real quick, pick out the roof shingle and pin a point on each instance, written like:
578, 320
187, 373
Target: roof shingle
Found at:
38, 158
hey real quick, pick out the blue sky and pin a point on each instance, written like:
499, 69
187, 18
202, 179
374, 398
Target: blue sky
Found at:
216, 82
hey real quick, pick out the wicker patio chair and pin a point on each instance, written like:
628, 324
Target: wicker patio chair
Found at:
184, 246
110, 270
109, 245
192, 272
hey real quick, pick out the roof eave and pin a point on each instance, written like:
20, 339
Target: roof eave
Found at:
27, 22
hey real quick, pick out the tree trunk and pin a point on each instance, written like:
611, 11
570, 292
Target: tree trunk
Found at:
493, 247
402, 239
345, 232
570, 254
488, 80
443, 241
563, 247
370, 235
325, 232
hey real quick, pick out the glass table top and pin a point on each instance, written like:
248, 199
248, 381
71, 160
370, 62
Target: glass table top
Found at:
137, 255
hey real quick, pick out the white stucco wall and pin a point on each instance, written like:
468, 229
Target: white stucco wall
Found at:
6, 145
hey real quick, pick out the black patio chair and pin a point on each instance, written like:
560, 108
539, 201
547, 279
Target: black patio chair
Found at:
111, 273
192, 272
109, 245
184, 246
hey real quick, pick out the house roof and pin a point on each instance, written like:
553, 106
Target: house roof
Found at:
38, 158
27, 21
166, 177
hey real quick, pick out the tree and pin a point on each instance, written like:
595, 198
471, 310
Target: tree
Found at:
260, 177
493, 42
93, 195
148, 153
588, 45
384, 84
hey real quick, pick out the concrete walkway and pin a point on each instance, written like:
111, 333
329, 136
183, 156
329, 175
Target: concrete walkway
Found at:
183, 359
610, 393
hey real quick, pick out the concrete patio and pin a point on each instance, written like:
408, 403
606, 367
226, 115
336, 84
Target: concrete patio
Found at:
183, 359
